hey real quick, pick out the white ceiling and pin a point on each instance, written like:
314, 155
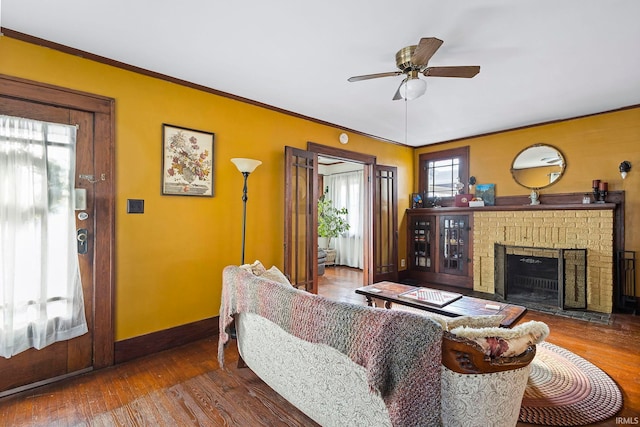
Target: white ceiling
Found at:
540, 60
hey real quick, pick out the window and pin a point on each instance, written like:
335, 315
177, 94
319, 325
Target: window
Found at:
440, 171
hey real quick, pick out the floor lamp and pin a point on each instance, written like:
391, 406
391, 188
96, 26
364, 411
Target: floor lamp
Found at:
246, 166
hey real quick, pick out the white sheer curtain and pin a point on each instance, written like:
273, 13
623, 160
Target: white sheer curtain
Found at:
40, 291
346, 190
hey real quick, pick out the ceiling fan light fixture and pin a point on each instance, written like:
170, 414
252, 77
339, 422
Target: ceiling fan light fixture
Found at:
413, 88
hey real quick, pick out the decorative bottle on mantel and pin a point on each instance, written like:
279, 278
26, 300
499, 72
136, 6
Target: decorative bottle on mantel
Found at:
534, 197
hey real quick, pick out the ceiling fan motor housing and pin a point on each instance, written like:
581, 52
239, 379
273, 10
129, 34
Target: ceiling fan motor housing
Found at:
403, 59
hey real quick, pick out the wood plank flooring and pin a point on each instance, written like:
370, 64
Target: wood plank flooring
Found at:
615, 348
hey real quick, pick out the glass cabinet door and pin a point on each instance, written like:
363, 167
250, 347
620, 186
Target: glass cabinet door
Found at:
454, 232
421, 243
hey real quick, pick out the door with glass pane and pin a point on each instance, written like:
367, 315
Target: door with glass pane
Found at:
454, 242
301, 219
76, 355
385, 224
421, 244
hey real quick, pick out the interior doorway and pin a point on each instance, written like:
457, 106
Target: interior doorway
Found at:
341, 187
380, 235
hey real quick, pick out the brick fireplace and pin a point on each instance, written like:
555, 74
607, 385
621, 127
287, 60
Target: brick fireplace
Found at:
584, 228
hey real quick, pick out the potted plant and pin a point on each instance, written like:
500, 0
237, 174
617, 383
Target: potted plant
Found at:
332, 222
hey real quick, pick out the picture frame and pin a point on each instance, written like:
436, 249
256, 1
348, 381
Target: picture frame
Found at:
417, 200
487, 193
187, 161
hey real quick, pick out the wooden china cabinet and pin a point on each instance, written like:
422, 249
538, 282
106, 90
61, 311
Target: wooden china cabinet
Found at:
440, 246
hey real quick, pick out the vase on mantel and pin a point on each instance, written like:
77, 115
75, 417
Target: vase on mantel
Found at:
534, 197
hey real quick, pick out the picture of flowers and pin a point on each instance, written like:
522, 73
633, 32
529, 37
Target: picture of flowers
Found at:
187, 162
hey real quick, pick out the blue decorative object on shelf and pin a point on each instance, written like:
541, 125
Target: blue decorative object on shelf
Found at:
486, 192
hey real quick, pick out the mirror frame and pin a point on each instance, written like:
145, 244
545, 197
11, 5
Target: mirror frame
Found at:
563, 166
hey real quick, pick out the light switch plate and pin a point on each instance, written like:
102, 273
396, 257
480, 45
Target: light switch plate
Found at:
135, 206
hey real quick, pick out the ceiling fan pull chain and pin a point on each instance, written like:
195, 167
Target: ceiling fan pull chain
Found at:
406, 121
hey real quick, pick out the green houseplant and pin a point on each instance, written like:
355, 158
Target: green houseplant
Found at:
332, 221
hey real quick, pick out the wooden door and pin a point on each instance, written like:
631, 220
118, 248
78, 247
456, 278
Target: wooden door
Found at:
301, 219
385, 224
94, 151
64, 357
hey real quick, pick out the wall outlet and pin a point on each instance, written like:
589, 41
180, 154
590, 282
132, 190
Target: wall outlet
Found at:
403, 263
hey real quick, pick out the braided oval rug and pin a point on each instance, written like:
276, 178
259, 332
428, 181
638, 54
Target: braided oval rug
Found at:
566, 390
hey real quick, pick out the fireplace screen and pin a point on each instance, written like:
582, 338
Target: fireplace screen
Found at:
552, 277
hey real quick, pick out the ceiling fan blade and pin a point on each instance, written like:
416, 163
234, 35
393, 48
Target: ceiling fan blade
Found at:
397, 95
374, 76
425, 50
466, 71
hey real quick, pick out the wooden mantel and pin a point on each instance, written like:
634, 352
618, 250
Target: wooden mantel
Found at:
540, 207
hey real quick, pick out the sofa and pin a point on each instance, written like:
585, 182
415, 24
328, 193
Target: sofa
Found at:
350, 365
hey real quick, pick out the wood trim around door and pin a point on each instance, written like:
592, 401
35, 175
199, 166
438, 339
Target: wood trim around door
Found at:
104, 162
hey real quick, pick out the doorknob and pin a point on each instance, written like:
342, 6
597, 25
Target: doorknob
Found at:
82, 237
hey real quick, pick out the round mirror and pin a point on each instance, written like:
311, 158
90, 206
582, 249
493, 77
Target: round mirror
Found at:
538, 166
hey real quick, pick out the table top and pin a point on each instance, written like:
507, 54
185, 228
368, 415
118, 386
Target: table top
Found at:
465, 306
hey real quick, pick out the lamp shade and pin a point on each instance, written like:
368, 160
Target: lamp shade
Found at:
413, 88
246, 165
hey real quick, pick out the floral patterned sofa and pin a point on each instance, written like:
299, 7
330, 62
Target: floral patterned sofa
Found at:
351, 365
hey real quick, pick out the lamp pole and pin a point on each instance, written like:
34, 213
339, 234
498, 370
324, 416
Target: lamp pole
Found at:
245, 166
244, 212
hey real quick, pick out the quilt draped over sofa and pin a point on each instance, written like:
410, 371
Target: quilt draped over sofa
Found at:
401, 352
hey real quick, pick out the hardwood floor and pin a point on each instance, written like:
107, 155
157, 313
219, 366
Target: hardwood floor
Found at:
615, 348
340, 283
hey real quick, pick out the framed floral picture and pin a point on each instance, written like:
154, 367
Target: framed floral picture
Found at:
187, 162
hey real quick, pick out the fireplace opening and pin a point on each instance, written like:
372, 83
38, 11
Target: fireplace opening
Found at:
550, 277
532, 279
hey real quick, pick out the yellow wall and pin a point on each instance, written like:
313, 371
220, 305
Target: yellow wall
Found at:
593, 148
169, 260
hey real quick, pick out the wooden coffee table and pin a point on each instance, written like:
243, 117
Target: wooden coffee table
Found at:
465, 306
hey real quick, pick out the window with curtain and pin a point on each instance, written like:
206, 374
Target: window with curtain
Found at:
347, 190
40, 290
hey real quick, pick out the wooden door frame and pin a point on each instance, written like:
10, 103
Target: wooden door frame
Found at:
103, 109
369, 162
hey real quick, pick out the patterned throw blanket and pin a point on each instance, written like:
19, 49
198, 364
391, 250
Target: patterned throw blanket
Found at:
400, 351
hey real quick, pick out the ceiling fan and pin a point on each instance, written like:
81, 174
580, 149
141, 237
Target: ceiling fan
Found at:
412, 60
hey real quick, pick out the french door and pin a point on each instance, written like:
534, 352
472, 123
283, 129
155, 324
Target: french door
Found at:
385, 224
94, 349
301, 219
301, 216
